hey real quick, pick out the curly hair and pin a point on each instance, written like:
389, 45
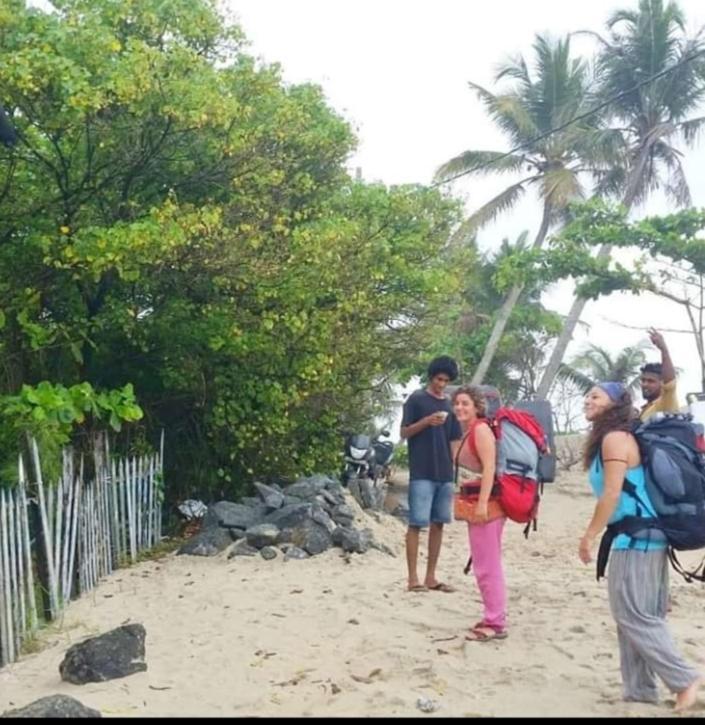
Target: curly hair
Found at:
620, 416
476, 395
443, 364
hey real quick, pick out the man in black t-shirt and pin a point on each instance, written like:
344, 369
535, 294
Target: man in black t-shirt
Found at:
433, 434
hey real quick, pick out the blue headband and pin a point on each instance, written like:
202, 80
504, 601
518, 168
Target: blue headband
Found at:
614, 390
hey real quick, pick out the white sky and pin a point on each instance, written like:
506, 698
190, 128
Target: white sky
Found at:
398, 71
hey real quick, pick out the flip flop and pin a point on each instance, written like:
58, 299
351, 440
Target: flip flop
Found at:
441, 587
417, 588
482, 635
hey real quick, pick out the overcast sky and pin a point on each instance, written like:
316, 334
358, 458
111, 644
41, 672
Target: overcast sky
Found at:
398, 71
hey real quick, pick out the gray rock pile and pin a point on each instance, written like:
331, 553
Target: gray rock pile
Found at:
303, 519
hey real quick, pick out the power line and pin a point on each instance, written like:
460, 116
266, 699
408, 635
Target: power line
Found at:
573, 120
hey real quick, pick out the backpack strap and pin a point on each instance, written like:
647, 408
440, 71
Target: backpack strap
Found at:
631, 524
697, 574
628, 525
603, 553
628, 487
531, 524
457, 458
472, 436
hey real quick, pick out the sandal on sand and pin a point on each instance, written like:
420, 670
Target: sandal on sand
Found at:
441, 587
484, 633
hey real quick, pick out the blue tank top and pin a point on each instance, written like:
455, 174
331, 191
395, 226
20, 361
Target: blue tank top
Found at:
627, 506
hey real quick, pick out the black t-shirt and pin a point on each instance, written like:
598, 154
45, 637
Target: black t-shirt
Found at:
429, 450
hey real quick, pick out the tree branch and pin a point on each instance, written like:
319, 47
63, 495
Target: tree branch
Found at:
644, 328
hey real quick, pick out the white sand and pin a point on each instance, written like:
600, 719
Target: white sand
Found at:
340, 636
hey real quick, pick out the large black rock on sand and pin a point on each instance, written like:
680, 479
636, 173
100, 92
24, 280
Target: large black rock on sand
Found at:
115, 654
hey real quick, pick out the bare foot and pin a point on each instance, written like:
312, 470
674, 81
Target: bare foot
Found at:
436, 586
687, 697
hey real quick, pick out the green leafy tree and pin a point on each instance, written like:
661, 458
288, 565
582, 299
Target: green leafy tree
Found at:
50, 414
176, 217
671, 266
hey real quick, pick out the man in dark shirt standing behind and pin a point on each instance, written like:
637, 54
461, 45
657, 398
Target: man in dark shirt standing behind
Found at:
433, 434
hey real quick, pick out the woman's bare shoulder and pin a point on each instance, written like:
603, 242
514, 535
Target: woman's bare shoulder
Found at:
482, 427
618, 442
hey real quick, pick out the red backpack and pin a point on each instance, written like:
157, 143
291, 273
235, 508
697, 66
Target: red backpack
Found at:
520, 443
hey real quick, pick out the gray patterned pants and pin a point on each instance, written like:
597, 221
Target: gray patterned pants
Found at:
638, 593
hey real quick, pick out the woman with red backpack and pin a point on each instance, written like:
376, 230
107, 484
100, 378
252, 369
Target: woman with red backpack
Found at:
476, 466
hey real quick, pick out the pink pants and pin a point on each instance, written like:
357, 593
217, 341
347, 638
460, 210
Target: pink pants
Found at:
486, 552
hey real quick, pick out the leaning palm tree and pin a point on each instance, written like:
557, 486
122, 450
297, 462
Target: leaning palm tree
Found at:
595, 364
653, 117
556, 91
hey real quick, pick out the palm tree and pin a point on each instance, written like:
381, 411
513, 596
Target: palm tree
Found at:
558, 90
595, 364
529, 329
653, 118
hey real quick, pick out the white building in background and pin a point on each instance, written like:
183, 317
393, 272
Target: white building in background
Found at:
392, 422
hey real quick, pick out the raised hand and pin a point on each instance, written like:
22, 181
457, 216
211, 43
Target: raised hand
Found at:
657, 339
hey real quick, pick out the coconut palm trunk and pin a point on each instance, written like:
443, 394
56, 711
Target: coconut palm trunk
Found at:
507, 308
571, 322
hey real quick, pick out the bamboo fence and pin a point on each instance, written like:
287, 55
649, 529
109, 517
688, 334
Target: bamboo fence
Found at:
59, 540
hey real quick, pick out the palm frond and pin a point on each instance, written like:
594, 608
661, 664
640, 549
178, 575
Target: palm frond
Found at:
685, 89
514, 68
676, 187
479, 162
592, 358
611, 183
597, 363
691, 129
507, 248
502, 202
623, 16
604, 147
640, 177
559, 93
560, 187
580, 379
605, 43
508, 113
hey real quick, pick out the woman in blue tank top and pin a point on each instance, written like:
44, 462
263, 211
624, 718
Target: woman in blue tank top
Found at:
637, 576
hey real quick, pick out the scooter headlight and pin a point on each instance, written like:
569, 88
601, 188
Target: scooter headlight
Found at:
357, 453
